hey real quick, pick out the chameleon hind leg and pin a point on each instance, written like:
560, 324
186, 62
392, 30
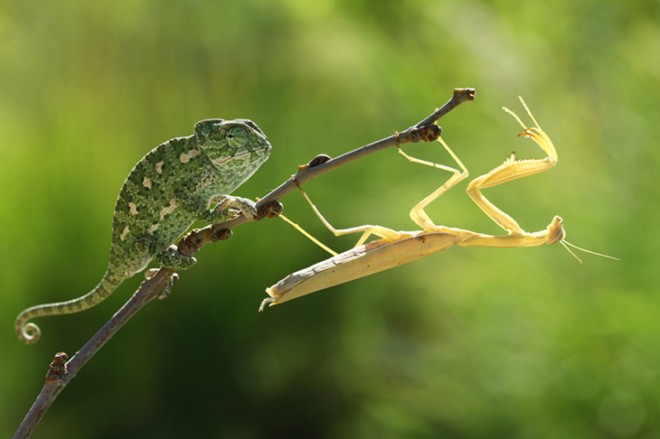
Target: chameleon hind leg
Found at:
226, 207
172, 259
510, 170
151, 272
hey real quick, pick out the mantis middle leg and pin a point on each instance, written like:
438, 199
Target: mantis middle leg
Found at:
417, 214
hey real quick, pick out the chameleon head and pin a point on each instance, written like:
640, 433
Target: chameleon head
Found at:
237, 144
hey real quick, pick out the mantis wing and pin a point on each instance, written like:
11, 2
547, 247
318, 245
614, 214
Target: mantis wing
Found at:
358, 262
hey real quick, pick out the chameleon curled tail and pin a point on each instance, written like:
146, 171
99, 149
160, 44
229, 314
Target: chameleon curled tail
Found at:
29, 333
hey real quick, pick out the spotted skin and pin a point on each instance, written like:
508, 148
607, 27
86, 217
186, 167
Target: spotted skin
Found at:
177, 183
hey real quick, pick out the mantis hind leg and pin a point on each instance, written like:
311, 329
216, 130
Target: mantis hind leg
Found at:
513, 169
367, 230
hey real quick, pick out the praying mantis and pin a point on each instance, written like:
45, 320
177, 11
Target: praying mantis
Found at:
394, 248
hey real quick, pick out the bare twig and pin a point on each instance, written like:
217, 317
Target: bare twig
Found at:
61, 371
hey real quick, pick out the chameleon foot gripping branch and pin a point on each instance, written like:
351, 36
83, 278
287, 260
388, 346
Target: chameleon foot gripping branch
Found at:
177, 183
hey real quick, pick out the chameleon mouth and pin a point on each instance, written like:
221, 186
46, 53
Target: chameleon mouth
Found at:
239, 155
250, 153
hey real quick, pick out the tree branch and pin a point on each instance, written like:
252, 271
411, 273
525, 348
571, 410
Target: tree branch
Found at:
61, 371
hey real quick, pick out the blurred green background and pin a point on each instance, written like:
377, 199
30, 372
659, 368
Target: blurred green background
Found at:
478, 343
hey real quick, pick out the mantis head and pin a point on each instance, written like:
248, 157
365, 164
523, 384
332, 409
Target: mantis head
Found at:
555, 230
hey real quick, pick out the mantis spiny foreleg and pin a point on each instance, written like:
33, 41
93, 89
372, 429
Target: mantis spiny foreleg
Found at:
513, 169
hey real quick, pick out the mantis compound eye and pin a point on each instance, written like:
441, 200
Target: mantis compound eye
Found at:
237, 137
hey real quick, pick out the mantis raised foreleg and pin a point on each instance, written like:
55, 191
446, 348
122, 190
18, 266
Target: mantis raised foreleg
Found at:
396, 248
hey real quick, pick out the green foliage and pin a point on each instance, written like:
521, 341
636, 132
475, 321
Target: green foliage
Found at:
467, 343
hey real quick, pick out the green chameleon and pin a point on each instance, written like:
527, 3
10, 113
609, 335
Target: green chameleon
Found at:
180, 181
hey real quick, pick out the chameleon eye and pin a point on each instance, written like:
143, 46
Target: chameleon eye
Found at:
236, 137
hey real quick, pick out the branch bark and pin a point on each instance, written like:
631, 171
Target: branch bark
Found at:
62, 370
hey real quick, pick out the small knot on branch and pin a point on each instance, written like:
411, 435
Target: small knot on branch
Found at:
272, 209
429, 133
220, 234
57, 369
423, 133
319, 160
191, 243
316, 161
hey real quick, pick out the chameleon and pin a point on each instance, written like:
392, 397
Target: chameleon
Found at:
183, 180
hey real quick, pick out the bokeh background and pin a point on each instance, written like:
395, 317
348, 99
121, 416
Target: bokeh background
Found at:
469, 343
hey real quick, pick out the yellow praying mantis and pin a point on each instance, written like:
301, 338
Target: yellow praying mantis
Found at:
396, 248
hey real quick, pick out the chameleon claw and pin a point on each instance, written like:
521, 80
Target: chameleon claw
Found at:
168, 288
234, 205
172, 258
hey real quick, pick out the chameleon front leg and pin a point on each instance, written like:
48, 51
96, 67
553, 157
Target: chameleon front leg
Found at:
226, 205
